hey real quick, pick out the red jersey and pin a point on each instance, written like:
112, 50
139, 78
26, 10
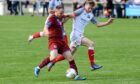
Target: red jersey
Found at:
55, 28
56, 34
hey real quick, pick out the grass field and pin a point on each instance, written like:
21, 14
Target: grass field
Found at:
117, 49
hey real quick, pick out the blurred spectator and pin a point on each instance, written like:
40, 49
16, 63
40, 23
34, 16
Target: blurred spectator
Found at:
36, 6
109, 9
45, 7
98, 10
75, 4
26, 3
123, 9
9, 6
119, 8
20, 4
14, 6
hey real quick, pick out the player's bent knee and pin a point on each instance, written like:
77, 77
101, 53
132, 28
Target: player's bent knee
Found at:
68, 55
53, 54
73, 49
91, 44
73, 45
71, 58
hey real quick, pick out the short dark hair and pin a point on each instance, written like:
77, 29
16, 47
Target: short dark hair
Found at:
59, 7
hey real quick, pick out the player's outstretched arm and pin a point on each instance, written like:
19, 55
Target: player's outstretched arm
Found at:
76, 13
109, 21
66, 17
47, 25
69, 15
46, 32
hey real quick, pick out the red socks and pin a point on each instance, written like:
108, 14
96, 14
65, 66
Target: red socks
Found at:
91, 56
73, 65
59, 58
47, 60
44, 62
37, 35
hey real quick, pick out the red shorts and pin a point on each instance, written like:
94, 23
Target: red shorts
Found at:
61, 46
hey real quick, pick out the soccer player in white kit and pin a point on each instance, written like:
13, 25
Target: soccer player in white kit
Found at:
81, 18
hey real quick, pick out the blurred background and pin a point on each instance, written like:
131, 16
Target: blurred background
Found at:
104, 8
117, 45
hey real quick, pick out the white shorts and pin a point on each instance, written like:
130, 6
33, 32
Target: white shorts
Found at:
76, 38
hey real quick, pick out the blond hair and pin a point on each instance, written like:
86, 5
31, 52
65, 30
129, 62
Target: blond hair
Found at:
90, 2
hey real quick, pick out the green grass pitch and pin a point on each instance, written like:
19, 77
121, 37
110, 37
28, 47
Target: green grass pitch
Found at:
117, 48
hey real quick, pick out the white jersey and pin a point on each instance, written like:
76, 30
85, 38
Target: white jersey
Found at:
81, 20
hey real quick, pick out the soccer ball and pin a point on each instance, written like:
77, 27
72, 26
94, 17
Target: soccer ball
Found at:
70, 73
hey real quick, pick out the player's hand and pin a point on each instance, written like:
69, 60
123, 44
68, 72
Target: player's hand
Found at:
110, 20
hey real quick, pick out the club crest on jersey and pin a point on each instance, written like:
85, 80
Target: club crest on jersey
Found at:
88, 16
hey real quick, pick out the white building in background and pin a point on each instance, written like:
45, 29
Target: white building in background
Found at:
2, 7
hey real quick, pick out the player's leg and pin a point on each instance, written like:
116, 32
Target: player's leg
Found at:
59, 58
73, 47
41, 65
86, 42
75, 42
67, 54
53, 55
69, 57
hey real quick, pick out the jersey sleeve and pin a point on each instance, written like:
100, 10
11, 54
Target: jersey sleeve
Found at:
93, 20
51, 4
49, 22
78, 11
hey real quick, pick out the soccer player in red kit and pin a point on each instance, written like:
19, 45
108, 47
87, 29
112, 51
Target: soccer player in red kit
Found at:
52, 6
57, 45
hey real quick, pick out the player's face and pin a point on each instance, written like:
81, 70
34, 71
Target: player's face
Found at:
88, 8
60, 12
